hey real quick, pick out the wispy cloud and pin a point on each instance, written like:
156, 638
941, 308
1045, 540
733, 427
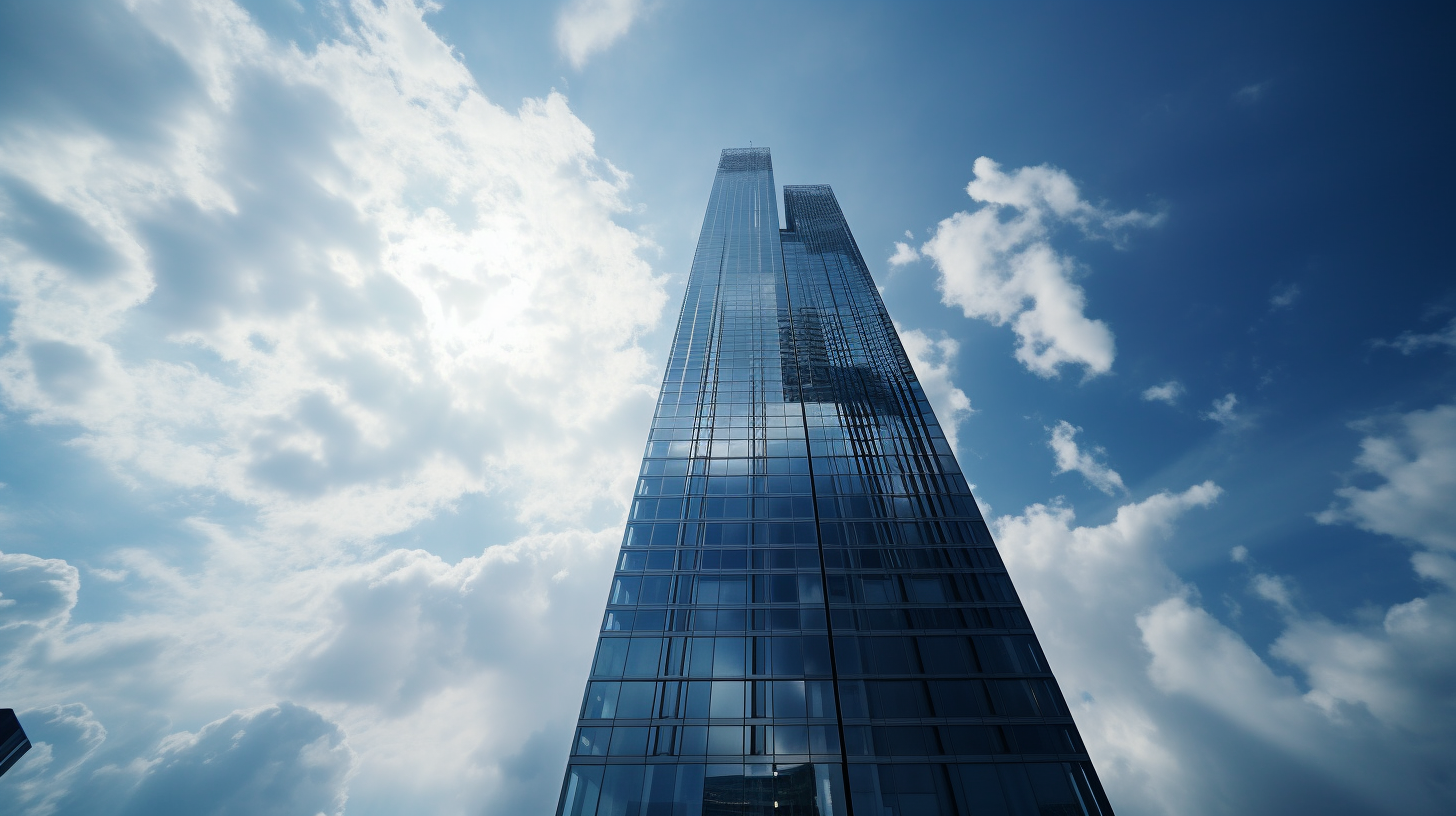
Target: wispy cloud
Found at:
1072, 458
1411, 342
1225, 412
1273, 589
1416, 461
997, 264
588, 27
1249, 94
1168, 392
1284, 296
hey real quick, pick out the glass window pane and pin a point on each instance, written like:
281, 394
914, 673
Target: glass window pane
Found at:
725, 739
728, 657
727, 700
601, 701
642, 657
635, 700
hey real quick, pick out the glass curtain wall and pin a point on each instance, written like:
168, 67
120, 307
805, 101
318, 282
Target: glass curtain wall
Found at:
808, 614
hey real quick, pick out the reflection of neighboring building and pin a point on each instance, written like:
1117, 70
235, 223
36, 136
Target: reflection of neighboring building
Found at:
790, 789
13, 742
809, 617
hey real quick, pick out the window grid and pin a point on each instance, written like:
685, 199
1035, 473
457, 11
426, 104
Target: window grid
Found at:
808, 614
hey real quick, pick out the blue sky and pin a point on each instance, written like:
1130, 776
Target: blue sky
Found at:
329, 335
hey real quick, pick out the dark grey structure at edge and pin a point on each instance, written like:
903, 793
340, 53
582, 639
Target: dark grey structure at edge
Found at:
809, 615
13, 742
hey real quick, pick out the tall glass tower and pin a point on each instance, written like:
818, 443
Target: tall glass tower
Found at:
808, 614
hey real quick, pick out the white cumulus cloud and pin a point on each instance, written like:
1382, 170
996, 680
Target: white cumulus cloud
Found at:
1182, 715
998, 264
1416, 500
501, 640
36, 596
277, 760
324, 295
343, 286
1397, 666
64, 741
1168, 392
587, 27
1070, 457
1083, 588
904, 254
283, 759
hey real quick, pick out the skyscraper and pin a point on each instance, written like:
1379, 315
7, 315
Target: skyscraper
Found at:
808, 614
13, 743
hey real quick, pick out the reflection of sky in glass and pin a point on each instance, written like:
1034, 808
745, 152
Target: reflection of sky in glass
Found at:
807, 600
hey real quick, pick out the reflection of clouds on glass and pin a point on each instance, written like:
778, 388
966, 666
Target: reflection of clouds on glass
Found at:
932, 359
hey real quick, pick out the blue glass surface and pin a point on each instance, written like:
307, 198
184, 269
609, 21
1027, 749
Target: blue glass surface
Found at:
809, 615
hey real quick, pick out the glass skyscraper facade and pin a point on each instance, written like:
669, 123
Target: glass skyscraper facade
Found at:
808, 614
